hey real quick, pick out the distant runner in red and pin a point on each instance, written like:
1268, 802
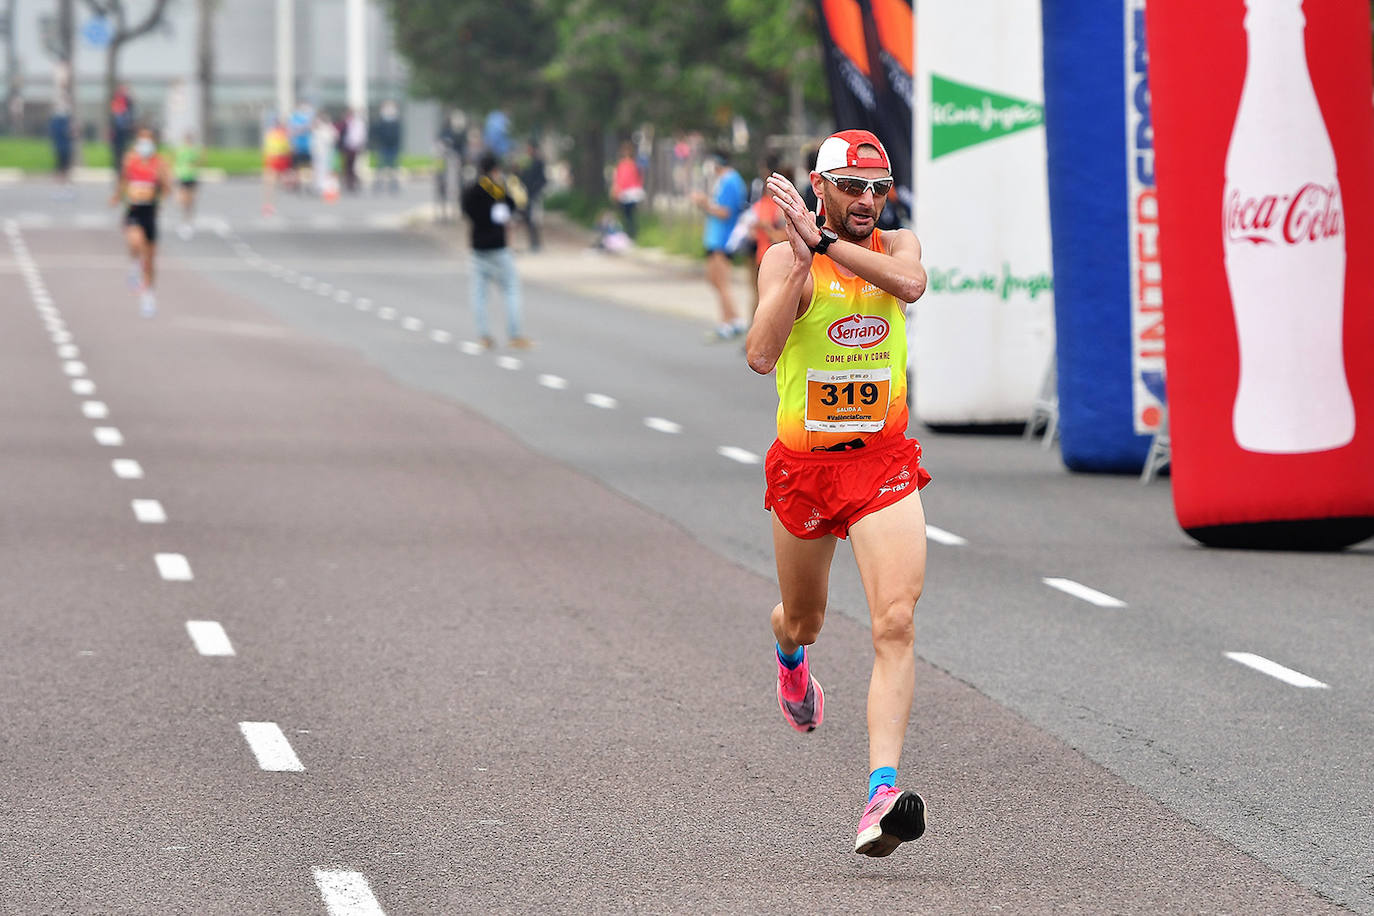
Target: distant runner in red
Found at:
143, 179
831, 323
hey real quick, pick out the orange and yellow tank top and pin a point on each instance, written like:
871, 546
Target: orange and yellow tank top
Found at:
842, 372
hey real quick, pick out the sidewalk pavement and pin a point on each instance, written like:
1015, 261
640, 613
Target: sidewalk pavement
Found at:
639, 278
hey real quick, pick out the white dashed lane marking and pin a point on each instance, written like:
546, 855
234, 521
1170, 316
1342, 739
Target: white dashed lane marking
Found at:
270, 746
941, 536
149, 511
74, 367
346, 893
556, 382
108, 435
440, 337
83, 386
127, 469
738, 454
209, 637
1081, 591
94, 410
386, 314
412, 324
662, 425
1274, 669
509, 363
362, 303
173, 567
604, 401
343, 297
68, 350
471, 347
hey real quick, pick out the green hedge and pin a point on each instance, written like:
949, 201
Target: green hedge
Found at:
34, 154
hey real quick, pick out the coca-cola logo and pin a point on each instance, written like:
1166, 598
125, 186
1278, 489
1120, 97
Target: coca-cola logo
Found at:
1311, 214
862, 331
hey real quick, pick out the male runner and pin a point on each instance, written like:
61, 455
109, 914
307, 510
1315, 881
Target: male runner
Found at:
831, 322
143, 179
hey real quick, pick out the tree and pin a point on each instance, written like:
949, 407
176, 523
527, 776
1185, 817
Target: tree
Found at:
205, 66
470, 56
122, 32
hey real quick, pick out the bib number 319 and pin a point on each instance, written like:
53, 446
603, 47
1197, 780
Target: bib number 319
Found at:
853, 401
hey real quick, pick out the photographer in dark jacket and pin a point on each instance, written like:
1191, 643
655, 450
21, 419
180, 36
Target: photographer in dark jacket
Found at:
488, 206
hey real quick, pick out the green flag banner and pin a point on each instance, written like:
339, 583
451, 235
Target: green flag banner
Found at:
962, 116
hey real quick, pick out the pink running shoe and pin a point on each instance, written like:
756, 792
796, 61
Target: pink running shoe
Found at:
891, 819
799, 696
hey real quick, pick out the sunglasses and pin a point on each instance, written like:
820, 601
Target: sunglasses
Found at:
854, 187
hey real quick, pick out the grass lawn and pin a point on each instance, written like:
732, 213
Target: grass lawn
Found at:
34, 154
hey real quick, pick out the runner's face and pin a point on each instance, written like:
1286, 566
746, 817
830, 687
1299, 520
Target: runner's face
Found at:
852, 218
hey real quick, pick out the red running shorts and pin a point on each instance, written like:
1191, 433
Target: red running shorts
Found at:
818, 493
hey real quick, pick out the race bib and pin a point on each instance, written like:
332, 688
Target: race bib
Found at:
500, 213
854, 401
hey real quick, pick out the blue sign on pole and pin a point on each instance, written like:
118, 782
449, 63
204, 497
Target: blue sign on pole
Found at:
96, 31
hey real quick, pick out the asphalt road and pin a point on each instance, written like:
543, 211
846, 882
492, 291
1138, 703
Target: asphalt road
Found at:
506, 641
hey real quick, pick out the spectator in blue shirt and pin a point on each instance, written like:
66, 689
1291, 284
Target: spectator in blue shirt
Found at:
729, 198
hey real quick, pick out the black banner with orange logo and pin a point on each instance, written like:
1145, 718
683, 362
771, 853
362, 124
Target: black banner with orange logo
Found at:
869, 49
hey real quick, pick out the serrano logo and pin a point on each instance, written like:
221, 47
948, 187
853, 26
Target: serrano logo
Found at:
861, 331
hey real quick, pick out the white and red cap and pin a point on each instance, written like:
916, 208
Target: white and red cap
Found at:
841, 150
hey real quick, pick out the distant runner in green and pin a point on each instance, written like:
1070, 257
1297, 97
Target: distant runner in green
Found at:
186, 163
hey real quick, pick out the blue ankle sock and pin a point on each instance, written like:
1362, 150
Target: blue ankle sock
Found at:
882, 776
791, 661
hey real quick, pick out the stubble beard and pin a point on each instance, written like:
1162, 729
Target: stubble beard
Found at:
835, 203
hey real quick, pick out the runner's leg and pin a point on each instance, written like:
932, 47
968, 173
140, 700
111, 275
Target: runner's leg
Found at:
718, 272
804, 579
890, 548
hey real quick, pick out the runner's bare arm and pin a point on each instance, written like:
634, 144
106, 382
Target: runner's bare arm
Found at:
784, 290
897, 271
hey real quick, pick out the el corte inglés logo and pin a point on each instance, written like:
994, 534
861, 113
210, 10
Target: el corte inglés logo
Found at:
862, 331
964, 116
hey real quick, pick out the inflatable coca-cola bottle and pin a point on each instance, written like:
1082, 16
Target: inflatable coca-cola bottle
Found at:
1285, 248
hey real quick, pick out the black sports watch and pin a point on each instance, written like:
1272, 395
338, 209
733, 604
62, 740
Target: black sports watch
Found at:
828, 238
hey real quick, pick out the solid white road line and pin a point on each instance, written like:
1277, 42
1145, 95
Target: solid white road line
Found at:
509, 363
83, 386
209, 637
412, 324
270, 746
556, 382
471, 347
604, 401
1079, 590
173, 567
941, 536
440, 337
149, 511
738, 454
108, 435
346, 893
127, 469
74, 368
1274, 669
94, 410
662, 425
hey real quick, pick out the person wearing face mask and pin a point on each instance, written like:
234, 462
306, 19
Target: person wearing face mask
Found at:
143, 179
